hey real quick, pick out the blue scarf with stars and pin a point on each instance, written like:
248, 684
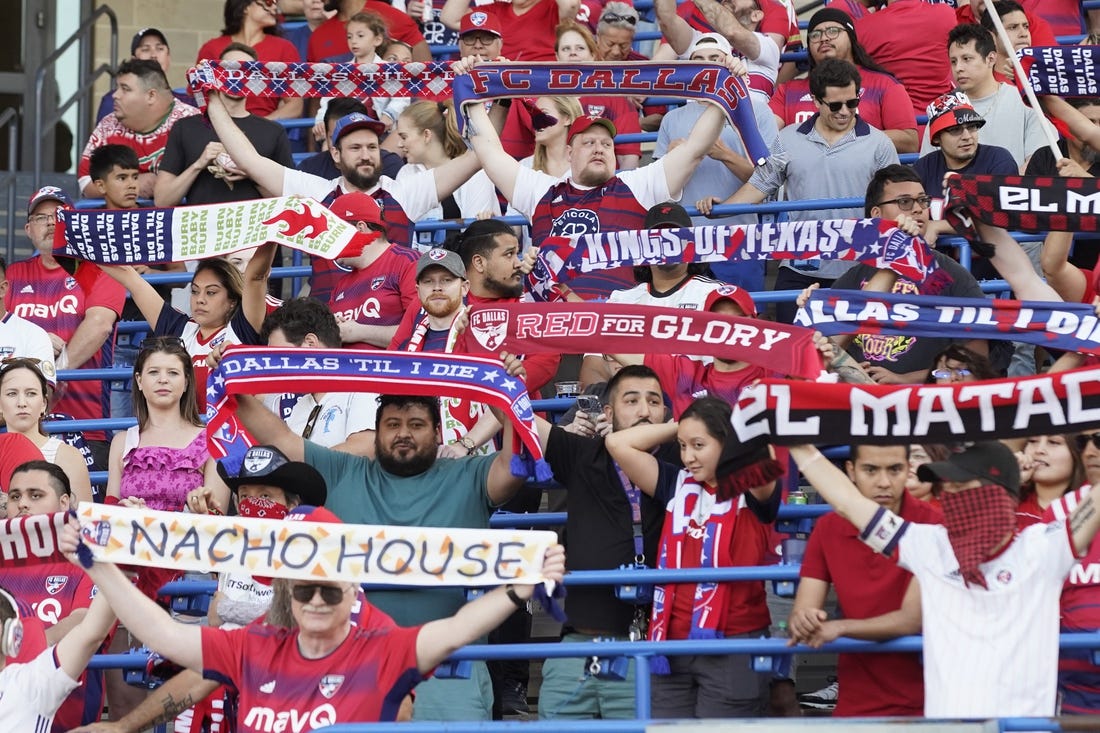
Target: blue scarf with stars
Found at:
261, 370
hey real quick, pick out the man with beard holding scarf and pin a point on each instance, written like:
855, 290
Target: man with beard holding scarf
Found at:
989, 594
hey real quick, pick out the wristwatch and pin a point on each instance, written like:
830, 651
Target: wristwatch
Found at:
468, 444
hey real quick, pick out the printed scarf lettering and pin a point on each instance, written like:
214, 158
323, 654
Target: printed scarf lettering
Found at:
31, 540
875, 242
1066, 71
1024, 203
1062, 326
790, 412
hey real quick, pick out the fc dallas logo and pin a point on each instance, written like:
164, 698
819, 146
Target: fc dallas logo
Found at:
489, 327
329, 684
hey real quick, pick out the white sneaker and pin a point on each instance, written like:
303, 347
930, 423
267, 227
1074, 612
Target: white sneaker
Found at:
823, 699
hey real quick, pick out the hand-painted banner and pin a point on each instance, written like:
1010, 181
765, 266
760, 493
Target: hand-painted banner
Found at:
1024, 203
31, 540
790, 412
148, 236
614, 328
261, 370
1062, 326
702, 82
276, 548
431, 80
875, 242
1066, 71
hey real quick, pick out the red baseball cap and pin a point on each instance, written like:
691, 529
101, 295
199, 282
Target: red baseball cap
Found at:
740, 297
479, 20
585, 122
358, 206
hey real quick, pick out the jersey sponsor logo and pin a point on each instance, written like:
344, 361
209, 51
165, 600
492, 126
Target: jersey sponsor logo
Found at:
575, 223
369, 308
329, 684
266, 720
48, 610
69, 304
1085, 574
54, 583
268, 687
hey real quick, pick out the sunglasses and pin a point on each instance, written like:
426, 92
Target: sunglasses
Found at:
832, 33
905, 203
835, 106
948, 373
311, 422
616, 18
163, 343
330, 595
1084, 439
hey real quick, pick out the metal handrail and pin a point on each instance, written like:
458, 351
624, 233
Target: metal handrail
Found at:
10, 119
87, 81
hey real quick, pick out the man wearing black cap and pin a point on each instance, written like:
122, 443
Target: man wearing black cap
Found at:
989, 594
883, 101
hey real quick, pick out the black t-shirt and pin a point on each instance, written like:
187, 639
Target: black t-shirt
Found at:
1042, 162
189, 137
599, 533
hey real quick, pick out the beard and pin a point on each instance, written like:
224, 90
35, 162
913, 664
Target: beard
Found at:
412, 464
504, 289
361, 181
593, 178
439, 310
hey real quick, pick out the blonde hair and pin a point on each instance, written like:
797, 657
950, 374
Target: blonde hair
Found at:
439, 117
581, 30
569, 109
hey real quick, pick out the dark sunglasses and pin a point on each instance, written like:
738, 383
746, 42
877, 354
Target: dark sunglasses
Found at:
905, 203
835, 106
1084, 439
330, 595
616, 18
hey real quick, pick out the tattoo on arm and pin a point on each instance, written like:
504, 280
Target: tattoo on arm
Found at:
848, 369
1085, 511
172, 708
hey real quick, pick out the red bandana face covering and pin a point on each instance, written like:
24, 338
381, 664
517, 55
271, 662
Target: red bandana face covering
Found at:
260, 507
977, 520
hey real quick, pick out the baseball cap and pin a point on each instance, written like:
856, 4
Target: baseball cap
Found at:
445, 258
480, 21
358, 206
834, 15
49, 193
140, 36
992, 461
741, 297
949, 110
355, 121
667, 214
584, 122
266, 464
708, 41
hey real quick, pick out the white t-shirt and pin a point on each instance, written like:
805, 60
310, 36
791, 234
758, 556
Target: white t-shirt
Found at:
19, 338
31, 693
990, 653
416, 194
473, 197
648, 184
341, 415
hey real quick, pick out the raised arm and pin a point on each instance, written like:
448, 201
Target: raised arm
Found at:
674, 28
1082, 127
439, 639
567, 9
1014, 265
680, 162
501, 485
88, 339
455, 172
501, 168
77, 647
1084, 522
452, 12
723, 21
264, 172
256, 274
834, 486
1062, 275
630, 449
266, 427
144, 295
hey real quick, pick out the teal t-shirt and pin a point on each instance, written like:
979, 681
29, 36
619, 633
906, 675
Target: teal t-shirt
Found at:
452, 493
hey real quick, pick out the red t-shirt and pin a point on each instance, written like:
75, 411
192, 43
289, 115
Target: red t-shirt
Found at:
868, 584
519, 139
331, 37
271, 48
917, 59
684, 380
527, 37
58, 302
380, 293
884, 103
15, 450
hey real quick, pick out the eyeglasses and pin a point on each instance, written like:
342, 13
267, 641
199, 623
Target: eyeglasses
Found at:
41, 218
311, 422
948, 373
616, 18
330, 594
957, 130
835, 106
831, 33
478, 38
905, 203
163, 343
1084, 439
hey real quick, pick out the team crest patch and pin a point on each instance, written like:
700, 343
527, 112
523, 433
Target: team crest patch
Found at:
54, 583
329, 684
257, 459
596, 110
70, 283
437, 254
489, 327
96, 533
478, 18
1004, 577
377, 282
576, 223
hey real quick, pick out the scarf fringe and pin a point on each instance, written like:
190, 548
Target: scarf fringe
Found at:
551, 602
761, 473
659, 665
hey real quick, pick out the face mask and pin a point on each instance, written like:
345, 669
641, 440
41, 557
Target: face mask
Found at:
261, 508
977, 521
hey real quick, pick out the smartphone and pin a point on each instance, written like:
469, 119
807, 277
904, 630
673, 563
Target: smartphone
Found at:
590, 405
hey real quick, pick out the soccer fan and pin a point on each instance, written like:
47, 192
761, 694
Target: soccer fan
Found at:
527, 27
149, 44
879, 600
144, 113
1084, 156
883, 101
1032, 22
76, 304
330, 671
19, 338
329, 40
974, 571
615, 29
1017, 27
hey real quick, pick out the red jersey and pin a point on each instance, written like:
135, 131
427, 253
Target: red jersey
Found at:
527, 37
1041, 33
869, 584
15, 450
884, 103
1080, 609
684, 380
271, 48
58, 302
380, 293
331, 37
364, 679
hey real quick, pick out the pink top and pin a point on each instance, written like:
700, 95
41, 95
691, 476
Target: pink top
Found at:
160, 475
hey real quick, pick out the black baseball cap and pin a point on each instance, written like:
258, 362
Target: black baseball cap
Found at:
667, 214
267, 465
140, 36
990, 461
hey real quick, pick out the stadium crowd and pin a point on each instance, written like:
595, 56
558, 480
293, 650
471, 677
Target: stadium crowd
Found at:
984, 543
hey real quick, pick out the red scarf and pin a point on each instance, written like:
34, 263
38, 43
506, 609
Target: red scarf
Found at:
977, 521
